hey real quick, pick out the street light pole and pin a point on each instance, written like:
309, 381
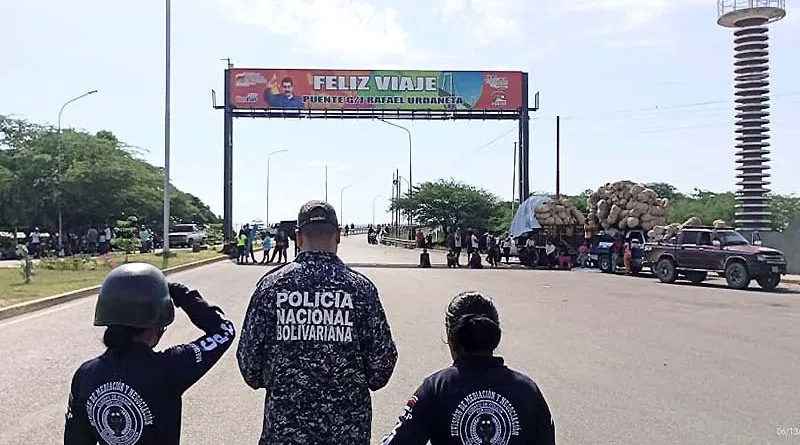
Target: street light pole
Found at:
341, 204
165, 248
373, 209
410, 181
58, 168
326, 182
268, 157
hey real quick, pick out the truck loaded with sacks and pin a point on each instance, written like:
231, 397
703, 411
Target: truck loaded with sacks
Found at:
626, 210
541, 219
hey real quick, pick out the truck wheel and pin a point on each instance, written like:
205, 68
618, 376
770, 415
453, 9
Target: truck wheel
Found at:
737, 276
665, 270
769, 282
604, 264
696, 277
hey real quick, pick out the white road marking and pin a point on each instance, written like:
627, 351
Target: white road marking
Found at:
43, 312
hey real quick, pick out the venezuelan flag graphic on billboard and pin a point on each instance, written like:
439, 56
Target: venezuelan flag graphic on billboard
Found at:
375, 90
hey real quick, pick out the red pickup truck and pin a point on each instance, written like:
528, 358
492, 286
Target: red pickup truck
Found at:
696, 251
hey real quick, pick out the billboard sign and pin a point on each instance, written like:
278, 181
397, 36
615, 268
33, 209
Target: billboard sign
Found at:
375, 90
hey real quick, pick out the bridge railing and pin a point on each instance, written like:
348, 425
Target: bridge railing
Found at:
396, 232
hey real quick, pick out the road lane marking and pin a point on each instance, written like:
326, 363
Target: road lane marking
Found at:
43, 312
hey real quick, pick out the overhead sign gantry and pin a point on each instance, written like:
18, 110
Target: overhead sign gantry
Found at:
373, 94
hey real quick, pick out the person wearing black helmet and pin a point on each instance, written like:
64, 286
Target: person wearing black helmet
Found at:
131, 394
478, 400
316, 337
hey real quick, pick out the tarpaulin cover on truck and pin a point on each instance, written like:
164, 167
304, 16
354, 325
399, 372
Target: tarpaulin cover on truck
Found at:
525, 219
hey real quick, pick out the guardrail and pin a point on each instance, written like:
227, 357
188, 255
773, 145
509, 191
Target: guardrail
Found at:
398, 242
363, 229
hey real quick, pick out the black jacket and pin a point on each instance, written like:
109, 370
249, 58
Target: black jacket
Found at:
316, 337
134, 397
478, 400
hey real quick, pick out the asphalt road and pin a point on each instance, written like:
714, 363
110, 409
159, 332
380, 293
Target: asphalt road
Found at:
621, 360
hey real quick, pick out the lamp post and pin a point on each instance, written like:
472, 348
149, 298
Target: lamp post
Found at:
373, 209
165, 248
399, 190
341, 204
408, 132
326, 182
268, 158
58, 166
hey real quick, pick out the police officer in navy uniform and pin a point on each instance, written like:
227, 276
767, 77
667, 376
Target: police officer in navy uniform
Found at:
316, 337
478, 400
131, 394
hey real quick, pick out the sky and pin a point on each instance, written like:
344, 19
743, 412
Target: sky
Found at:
644, 90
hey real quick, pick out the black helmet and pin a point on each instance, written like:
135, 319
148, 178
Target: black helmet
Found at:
135, 295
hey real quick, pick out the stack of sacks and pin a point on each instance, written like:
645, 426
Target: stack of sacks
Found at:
559, 212
622, 205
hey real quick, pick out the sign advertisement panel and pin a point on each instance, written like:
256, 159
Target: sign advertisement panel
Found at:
375, 90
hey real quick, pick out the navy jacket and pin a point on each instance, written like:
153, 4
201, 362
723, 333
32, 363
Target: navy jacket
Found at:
316, 337
478, 400
134, 396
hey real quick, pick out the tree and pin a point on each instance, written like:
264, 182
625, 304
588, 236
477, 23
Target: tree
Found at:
96, 178
449, 204
580, 201
706, 205
665, 190
785, 208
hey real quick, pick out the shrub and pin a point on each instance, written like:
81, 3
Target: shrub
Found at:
26, 263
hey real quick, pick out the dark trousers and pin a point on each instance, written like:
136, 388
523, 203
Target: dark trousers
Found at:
281, 253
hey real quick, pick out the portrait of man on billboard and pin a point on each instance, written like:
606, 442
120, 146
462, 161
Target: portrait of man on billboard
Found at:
283, 98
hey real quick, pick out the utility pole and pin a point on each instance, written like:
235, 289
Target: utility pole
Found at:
341, 204
558, 157
58, 171
165, 249
514, 180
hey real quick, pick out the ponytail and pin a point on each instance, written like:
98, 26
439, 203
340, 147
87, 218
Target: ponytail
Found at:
476, 334
472, 323
120, 338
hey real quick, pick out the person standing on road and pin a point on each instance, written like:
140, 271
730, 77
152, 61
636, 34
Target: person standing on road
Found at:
281, 244
627, 257
315, 336
457, 244
131, 394
267, 246
617, 250
478, 400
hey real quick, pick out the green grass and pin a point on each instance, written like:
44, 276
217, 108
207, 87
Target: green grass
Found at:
47, 282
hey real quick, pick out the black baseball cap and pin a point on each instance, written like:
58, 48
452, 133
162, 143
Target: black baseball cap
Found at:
316, 211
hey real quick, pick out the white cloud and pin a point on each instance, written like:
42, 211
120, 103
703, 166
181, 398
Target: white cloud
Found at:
352, 29
488, 21
618, 16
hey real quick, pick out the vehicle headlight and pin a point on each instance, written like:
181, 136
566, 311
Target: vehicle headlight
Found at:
761, 258
648, 248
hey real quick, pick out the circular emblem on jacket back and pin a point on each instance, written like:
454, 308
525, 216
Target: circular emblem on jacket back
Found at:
485, 418
117, 417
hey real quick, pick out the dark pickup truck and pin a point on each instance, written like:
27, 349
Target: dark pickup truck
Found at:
600, 253
696, 251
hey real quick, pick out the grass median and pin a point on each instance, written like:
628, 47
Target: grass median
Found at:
53, 279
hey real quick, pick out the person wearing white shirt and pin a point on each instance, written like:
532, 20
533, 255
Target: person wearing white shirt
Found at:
550, 250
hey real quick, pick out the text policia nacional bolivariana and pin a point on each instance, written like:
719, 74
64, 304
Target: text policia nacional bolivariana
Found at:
382, 84
321, 316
